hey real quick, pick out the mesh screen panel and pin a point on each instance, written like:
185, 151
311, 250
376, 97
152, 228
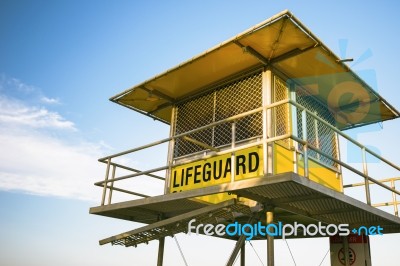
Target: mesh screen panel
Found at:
281, 112
318, 134
223, 102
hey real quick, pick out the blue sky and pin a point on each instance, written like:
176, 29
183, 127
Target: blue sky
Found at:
60, 61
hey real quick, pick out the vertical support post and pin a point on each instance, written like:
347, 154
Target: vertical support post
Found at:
103, 198
305, 145
243, 255
214, 117
346, 251
160, 257
394, 198
316, 136
293, 125
112, 184
233, 164
296, 162
270, 238
239, 245
293, 109
171, 148
339, 167
267, 122
366, 180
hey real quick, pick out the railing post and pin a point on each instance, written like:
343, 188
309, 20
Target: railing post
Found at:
103, 198
233, 164
339, 166
394, 197
293, 125
365, 171
171, 149
112, 184
305, 147
317, 144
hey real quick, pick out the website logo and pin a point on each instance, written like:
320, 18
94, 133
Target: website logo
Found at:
280, 230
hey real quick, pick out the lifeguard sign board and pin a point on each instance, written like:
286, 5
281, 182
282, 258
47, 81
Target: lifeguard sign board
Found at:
248, 163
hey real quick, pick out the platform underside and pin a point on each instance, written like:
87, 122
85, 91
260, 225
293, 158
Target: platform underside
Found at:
295, 199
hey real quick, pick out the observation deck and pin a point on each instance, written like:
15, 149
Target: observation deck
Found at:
295, 196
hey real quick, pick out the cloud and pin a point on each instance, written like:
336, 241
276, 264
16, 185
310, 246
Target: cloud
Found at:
16, 113
47, 100
36, 163
41, 151
15, 86
16, 89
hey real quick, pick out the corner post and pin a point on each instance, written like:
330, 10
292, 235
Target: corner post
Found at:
171, 148
267, 121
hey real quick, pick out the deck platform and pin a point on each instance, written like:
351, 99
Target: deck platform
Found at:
295, 199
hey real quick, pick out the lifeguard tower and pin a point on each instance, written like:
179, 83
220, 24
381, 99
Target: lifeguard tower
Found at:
255, 124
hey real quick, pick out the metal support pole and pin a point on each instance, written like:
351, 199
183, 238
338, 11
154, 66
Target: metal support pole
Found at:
233, 164
346, 251
238, 246
267, 122
270, 131
160, 251
317, 137
339, 166
112, 184
293, 123
394, 198
265, 81
366, 180
171, 148
293, 108
270, 239
243, 255
103, 198
305, 148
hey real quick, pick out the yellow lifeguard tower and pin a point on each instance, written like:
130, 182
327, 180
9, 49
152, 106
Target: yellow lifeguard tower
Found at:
255, 124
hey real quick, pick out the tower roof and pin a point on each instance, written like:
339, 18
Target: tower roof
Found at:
282, 43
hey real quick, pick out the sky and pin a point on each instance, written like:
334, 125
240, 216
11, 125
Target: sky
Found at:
60, 62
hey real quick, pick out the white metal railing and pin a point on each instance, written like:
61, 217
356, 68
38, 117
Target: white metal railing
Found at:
394, 201
108, 184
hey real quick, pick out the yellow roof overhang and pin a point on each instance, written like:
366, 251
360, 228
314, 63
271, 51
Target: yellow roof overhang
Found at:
281, 42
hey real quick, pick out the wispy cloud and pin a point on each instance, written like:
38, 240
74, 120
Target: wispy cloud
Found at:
33, 158
39, 164
16, 113
17, 89
47, 100
10, 84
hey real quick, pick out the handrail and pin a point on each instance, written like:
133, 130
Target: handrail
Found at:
132, 175
345, 165
229, 119
380, 180
241, 147
216, 151
135, 170
344, 135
